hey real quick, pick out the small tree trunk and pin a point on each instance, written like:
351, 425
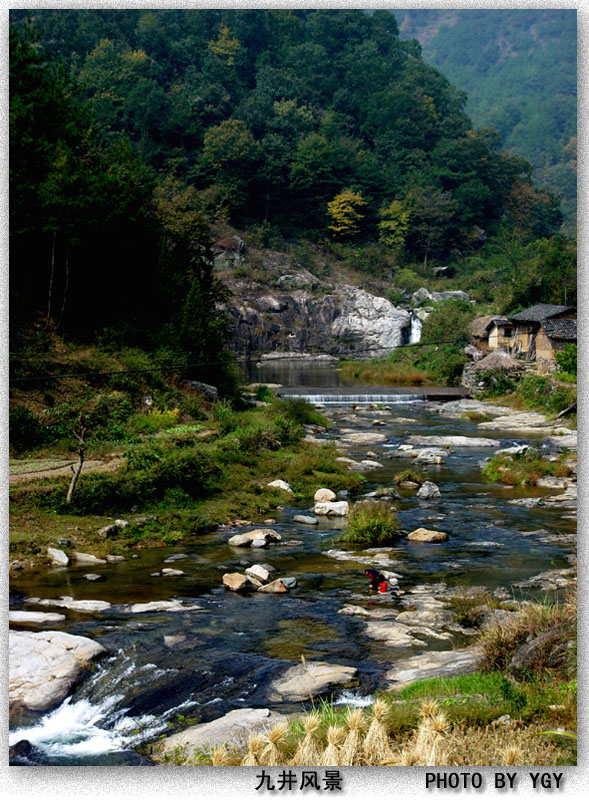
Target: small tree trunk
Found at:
67, 280
80, 436
51, 273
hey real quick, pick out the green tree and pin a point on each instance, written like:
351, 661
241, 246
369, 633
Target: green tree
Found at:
394, 224
194, 294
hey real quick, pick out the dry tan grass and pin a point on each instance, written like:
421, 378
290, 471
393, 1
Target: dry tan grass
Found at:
271, 755
307, 753
332, 755
376, 745
352, 746
253, 755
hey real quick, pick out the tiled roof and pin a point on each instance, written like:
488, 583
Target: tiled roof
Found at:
561, 329
540, 312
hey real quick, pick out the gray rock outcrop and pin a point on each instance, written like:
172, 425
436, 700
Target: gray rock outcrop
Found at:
233, 729
311, 679
43, 667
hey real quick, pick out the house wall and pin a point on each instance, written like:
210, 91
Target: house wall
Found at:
497, 339
544, 346
522, 335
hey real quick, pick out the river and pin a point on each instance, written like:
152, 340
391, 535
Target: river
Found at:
225, 653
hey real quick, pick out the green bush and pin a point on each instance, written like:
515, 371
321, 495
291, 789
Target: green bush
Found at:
25, 430
299, 411
370, 523
224, 416
541, 392
567, 358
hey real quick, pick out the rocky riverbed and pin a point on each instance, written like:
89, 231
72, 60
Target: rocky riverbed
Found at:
168, 637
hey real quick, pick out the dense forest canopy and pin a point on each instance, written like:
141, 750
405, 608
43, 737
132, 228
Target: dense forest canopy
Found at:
131, 130
519, 67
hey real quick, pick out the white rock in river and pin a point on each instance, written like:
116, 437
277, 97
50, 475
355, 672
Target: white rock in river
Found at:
338, 509
35, 617
86, 558
162, 605
305, 520
258, 571
324, 496
313, 678
428, 491
44, 666
363, 437
452, 441
65, 601
58, 557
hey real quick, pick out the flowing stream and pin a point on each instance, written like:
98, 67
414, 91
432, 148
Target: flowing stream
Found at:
166, 668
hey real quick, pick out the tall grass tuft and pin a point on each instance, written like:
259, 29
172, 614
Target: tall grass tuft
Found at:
371, 523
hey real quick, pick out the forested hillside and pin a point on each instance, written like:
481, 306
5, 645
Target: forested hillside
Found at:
132, 131
519, 67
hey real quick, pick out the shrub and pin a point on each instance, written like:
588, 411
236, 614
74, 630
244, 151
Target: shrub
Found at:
567, 358
370, 523
409, 474
25, 430
541, 392
264, 393
224, 416
299, 411
153, 421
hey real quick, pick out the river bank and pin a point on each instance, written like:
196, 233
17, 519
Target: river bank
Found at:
212, 659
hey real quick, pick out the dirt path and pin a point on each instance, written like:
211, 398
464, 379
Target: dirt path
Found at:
25, 470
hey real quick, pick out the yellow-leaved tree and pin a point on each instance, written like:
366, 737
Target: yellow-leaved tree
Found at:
345, 213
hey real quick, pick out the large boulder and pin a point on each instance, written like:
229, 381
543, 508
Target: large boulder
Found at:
433, 664
65, 601
276, 587
324, 496
35, 617
265, 535
429, 491
339, 509
451, 441
368, 322
425, 535
546, 651
58, 557
235, 581
44, 666
311, 679
233, 729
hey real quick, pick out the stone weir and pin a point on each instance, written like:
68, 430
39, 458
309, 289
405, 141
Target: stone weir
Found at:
368, 395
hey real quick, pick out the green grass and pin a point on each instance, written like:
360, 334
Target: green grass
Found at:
370, 523
524, 469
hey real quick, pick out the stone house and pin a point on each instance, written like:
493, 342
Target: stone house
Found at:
490, 333
542, 330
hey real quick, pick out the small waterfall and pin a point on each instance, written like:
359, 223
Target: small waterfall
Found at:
357, 399
416, 326
97, 719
